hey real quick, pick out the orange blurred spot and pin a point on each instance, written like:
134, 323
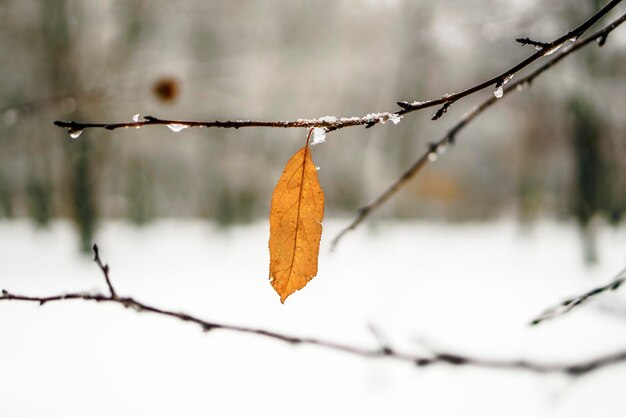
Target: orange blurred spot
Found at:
166, 89
438, 186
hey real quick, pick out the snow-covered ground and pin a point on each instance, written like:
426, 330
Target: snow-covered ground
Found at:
466, 288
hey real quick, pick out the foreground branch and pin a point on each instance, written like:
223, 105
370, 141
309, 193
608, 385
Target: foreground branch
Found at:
437, 148
372, 119
383, 351
571, 303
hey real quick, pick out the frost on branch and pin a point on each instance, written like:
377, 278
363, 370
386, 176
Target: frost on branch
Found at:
319, 135
374, 118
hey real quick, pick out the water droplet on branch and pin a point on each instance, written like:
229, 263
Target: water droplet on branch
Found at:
552, 50
176, 127
75, 133
499, 91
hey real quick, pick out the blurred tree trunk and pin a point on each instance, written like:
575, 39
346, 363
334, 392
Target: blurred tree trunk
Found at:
590, 181
596, 185
78, 178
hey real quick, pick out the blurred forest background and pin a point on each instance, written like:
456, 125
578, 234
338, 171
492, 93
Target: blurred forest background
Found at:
556, 150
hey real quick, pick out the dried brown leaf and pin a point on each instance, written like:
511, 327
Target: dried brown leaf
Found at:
295, 225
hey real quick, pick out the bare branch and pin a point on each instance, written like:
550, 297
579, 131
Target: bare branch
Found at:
369, 120
104, 268
571, 303
328, 123
528, 41
383, 351
437, 148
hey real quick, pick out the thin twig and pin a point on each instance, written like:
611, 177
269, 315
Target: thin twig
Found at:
383, 351
435, 149
573, 302
369, 120
528, 41
104, 268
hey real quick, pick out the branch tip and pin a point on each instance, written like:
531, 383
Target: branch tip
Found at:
442, 110
527, 41
405, 105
